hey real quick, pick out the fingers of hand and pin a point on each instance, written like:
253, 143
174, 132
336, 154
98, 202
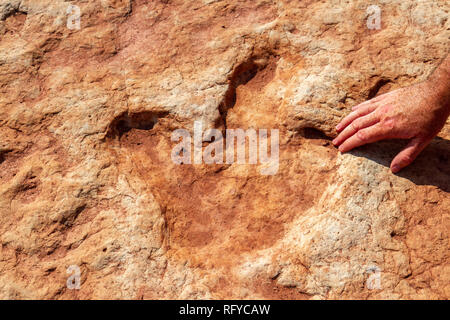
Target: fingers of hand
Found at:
409, 154
355, 126
354, 115
376, 99
362, 104
364, 136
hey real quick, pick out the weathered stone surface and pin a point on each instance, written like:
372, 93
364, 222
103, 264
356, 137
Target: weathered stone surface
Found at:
87, 179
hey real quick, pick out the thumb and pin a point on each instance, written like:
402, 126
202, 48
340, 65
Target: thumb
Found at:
409, 154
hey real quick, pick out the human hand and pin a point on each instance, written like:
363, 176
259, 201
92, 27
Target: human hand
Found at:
417, 112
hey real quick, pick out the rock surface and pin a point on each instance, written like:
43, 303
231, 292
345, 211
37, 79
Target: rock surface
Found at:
86, 177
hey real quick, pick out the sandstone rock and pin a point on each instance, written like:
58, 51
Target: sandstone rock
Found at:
86, 118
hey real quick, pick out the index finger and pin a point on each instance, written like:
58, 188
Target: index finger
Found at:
354, 115
364, 136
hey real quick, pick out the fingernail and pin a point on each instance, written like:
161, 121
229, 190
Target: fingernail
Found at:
334, 141
395, 168
338, 127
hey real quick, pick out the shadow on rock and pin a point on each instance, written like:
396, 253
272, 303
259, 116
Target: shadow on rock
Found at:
432, 166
